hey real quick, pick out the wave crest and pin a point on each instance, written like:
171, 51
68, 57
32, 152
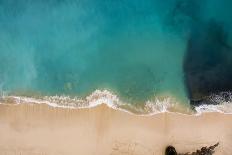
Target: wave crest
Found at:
221, 102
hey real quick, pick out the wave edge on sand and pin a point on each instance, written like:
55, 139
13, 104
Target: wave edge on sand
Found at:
99, 97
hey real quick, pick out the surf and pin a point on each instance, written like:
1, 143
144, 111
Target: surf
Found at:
154, 106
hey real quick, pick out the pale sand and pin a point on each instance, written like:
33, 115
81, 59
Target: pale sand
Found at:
43, 130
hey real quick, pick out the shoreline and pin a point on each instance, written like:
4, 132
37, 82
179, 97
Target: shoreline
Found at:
149, 108
158, 104
38, 129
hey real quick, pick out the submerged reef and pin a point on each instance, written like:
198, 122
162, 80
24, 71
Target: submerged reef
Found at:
207, 65
208, 57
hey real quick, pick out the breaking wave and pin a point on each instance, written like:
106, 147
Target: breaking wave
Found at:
98, 97
221, 102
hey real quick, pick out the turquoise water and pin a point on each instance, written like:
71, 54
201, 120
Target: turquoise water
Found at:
131, 47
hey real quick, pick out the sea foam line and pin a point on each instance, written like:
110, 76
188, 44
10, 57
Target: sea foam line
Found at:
225, 108
99, 97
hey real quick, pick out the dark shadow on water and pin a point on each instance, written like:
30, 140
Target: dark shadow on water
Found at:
208, 62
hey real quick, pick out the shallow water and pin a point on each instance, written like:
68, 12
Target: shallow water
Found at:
132, 48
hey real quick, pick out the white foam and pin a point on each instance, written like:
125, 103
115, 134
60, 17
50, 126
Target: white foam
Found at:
159, 106
96, 98
223, 104
99, 97
225, 107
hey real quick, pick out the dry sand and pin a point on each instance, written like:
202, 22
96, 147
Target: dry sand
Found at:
42, 130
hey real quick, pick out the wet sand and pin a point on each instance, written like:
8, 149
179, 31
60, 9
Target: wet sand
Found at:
33, 129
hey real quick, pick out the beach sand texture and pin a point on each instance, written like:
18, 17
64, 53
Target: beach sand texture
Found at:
38, 129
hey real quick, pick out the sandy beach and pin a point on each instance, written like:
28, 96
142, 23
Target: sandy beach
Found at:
28, 129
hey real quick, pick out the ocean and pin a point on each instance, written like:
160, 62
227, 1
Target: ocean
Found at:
141, 56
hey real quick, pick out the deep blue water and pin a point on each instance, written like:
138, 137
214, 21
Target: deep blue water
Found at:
138, 49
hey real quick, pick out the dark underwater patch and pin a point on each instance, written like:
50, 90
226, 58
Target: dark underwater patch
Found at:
208, 62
